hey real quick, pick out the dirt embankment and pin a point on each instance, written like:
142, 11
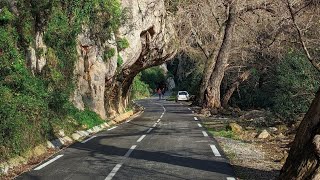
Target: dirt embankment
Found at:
256, 144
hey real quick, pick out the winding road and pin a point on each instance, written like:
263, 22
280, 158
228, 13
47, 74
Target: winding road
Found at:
166, 142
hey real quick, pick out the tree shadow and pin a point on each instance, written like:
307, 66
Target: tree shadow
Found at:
218, 165
255, 174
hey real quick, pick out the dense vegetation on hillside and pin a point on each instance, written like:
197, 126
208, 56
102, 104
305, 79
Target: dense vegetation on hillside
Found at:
35, 105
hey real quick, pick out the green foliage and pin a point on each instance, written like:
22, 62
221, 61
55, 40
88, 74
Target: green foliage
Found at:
147, 81
190, 83
6, 16
254, 94
223, 133
119, 60
139, 88
122, 44
296, 83
33, 107
153, 77
102, 16
84, 118
287, 89
109, 54
189, 80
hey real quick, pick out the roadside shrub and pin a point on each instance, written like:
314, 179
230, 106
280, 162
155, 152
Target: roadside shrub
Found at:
287, 89
256, 92
84, 118
139, 88
296, 82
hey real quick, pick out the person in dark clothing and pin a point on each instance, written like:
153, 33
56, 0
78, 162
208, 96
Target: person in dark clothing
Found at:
159, 92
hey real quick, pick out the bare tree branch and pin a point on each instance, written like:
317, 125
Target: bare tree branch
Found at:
213, 14
301, 38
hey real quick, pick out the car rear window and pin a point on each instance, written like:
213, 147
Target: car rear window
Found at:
182, 93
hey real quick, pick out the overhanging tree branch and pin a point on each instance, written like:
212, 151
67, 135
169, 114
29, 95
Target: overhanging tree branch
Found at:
300, 37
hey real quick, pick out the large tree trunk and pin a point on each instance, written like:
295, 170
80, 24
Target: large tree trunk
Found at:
211, 62
243, 77
212, 91
303, 160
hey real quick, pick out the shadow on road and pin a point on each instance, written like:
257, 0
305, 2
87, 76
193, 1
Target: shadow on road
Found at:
219, 165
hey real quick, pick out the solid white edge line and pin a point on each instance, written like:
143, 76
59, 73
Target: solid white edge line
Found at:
231, 178
149, 130
130, 151
204, 134
113, 172
215, 150
199, 125
88, 139
195, 118
112, 128
141, 138
47, 163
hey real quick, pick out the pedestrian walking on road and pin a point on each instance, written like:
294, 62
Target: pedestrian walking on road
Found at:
159, 93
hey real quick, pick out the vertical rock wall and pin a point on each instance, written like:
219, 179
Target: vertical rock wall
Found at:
104, 87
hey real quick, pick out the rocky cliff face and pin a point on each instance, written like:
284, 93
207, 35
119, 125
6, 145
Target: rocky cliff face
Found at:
104, 87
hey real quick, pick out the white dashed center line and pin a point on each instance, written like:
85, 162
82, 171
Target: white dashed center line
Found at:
118, 166
47, 163
204, 134
195, 118
189, 109
88, 139
215, 150
130, 151
192, 112
199, 125
149, 130
158, 120
113, 172
141, 138
155, 124
161, 116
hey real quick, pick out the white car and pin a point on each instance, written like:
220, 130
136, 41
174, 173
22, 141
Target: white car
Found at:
182, 96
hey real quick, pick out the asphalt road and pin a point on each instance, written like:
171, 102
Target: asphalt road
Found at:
166, 142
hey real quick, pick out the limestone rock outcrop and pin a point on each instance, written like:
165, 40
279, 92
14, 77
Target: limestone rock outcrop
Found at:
36, 56
104, 86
